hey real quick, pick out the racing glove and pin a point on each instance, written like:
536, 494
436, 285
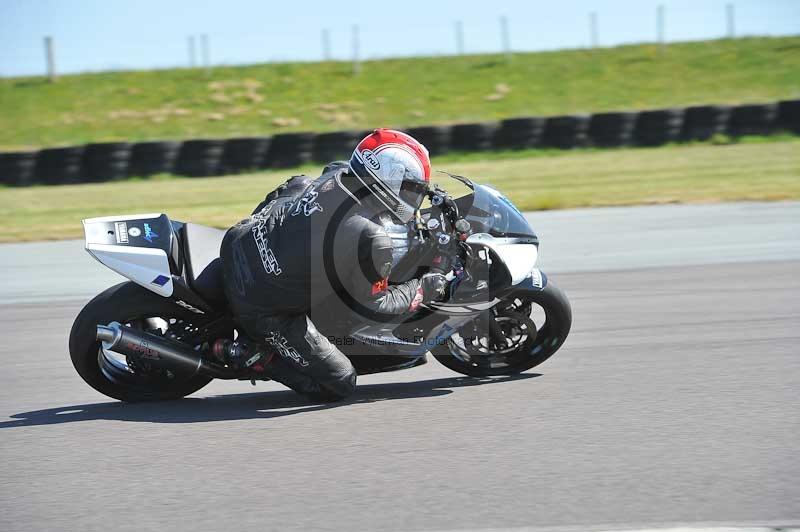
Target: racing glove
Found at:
434, 287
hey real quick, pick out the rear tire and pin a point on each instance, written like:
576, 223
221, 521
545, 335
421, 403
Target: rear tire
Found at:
548, 338
122, 303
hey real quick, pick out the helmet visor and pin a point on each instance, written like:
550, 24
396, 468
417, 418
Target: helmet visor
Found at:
413, 192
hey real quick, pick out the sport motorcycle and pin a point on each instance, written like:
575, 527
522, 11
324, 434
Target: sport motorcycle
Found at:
156, 336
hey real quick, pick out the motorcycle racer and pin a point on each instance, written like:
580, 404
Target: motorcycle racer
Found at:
313, 240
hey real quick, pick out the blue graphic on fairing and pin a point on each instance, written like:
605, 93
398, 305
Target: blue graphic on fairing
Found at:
441, 337
161, 280
149, 234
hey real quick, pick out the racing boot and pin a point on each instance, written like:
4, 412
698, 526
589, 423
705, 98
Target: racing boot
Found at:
242, 355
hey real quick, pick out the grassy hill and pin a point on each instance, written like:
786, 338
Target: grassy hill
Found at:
264, 99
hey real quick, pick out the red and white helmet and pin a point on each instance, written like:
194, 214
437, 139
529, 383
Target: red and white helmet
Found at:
395, 168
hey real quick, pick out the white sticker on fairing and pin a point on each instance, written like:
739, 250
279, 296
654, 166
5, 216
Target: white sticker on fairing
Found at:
121, 232
536, 278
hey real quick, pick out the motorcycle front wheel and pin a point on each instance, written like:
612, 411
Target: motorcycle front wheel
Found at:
506, 340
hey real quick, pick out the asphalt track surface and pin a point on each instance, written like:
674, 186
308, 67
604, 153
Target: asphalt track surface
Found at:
673, 401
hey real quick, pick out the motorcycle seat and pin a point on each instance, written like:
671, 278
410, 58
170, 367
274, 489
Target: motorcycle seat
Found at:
203, 265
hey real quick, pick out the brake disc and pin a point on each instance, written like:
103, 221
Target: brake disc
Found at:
517, 329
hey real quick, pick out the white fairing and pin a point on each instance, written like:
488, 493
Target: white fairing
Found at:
518, 258
149, 216
148, 267
141, 265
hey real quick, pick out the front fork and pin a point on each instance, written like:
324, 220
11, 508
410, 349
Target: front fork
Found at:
487, 322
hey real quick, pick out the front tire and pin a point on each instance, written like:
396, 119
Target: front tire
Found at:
474, 356
124, 303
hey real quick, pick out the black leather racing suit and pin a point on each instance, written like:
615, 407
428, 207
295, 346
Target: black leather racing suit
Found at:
311, 247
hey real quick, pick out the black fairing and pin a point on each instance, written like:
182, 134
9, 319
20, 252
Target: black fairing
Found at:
203, 271
189, 297
158, 233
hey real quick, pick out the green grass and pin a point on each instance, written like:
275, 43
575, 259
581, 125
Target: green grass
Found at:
694, 173
264, 99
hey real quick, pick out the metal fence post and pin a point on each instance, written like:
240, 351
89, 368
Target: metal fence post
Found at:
50, 58
730, 11
459, 27
192, 52
506, 38
326, 44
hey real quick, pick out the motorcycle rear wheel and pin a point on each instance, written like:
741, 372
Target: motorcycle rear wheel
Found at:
472, 353
115, 375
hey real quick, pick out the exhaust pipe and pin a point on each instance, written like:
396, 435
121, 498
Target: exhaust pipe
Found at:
127, 341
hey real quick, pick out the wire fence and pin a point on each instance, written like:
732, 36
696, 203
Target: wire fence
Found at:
360, 42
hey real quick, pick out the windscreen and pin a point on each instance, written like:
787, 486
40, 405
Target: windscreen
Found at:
491, 212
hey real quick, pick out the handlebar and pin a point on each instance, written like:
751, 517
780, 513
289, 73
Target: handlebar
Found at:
448, 230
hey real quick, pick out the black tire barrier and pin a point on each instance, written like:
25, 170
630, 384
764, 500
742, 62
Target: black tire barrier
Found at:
17, 168
435, 138
56, 166
335, 146
612, 129
106, 161
290, 149
116, 160
701, 122
200, 158
657, 127
788, 118
156, 157
519, 133
565, 132
753, 119
245, 153
478, 136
